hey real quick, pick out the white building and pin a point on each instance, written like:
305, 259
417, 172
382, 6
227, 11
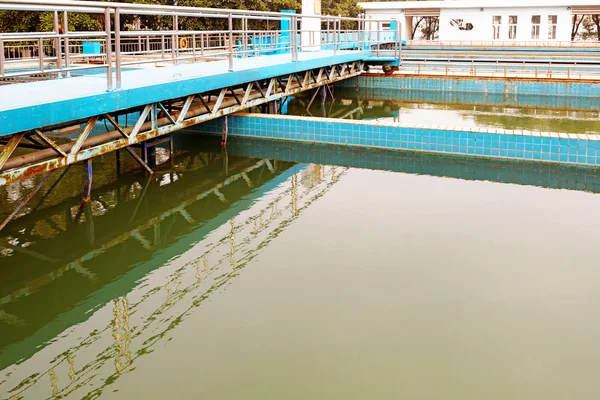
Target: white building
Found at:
487, 20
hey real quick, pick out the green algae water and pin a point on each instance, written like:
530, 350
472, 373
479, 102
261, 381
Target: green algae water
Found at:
292, 271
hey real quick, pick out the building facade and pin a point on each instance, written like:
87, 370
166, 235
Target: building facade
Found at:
488, 20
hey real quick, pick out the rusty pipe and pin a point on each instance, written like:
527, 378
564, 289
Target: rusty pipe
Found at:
30, 158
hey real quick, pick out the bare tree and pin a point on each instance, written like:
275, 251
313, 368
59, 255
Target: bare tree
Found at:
577, 20
596, 19
416, 26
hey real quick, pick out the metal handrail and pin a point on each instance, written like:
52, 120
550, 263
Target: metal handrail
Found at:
503, 43
174, 45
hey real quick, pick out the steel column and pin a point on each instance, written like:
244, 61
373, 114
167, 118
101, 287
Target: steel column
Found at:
108, 50
225, 132
66, 41
118, 46
230, 25
87, 183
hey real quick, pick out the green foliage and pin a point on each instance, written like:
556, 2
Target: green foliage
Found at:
31, 21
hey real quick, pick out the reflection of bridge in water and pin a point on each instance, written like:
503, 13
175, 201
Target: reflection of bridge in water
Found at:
173, 260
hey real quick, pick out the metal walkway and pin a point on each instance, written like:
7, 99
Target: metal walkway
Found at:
160, 80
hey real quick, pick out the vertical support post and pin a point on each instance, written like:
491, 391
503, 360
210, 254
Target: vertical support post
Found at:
295, 38
145, 152
175, 45
66, 43
118, 45
152, 156
171, 146
1, 56
323, 94
193, 47
230, 27
244, 37
162, 46
378, 36
109, 84
118, 163
225, 132
40, 53
57, 44
87, 186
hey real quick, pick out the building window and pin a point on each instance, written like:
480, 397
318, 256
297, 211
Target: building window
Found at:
512, 27
535, 26
385, 26
497, 23
552, 20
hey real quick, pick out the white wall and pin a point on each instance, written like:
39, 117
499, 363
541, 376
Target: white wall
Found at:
483, 29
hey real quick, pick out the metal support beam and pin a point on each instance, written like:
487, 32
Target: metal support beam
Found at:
87, 186
9, 148
225, 132
83, 135
50, 143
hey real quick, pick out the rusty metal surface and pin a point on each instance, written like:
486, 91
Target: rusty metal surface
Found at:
42, 161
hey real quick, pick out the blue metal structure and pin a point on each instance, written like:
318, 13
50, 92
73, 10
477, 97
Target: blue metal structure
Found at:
162, 76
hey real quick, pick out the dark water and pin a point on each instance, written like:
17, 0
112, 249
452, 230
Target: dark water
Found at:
288, 271
410, 108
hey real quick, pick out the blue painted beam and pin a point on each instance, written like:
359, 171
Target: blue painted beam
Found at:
38, 104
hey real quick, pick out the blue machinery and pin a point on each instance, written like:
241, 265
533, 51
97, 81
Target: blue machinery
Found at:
63, 85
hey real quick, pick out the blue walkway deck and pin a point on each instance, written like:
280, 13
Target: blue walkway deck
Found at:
33, 105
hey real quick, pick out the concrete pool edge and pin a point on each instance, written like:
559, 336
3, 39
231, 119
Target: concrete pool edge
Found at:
478, 84
545, 147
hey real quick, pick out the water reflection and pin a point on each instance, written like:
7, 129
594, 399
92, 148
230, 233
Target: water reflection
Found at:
105, 284
406, 107
134, 264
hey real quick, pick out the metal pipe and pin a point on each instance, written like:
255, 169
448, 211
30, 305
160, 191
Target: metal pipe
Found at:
108, 50
66, 42
230, 24
57, 42
36, 156
175, 46
118, 46
1, 57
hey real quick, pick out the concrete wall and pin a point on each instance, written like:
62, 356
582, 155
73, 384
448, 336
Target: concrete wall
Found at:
483, 23
550, 147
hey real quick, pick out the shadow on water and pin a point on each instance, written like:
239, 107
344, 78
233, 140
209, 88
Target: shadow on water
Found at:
87, 291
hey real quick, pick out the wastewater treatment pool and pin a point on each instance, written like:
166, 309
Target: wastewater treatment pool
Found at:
296, 270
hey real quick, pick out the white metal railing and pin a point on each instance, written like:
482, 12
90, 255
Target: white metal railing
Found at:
525, 70
504, 43
64, 53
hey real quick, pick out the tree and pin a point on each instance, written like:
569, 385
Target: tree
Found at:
577, 20
596, 20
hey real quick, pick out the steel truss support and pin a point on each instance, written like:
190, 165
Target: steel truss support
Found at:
156, 120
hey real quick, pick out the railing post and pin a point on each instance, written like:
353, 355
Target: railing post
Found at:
40, 53
108, 49
175, 46
66, 43
230, 25
378, 36
244, 37
1, 57
118, 45
294, 40
57, 44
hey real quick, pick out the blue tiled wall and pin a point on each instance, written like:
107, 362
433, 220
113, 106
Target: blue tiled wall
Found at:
505, 86
474, 98
469, 168
496, 143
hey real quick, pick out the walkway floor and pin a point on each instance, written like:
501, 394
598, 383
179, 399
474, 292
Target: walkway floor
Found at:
32, 105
